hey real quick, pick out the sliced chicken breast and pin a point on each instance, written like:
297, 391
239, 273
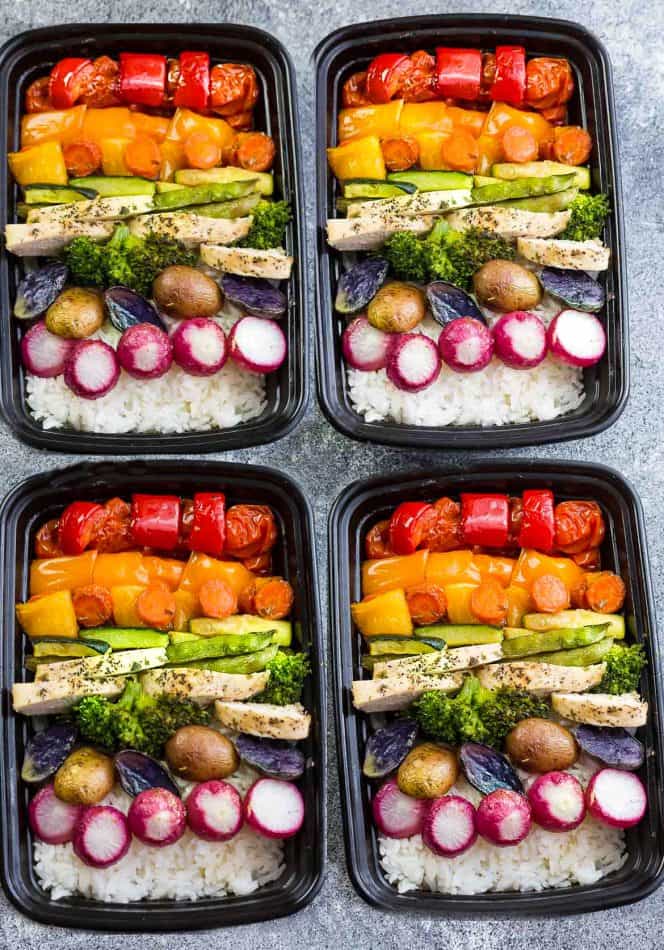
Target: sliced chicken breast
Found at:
203, 686
509, 222
97, 209
190, 229
541, 678
397, 692
264, 719
568, 255
388, 210
122, 663
445, 661
46, 699
272, 264
602, 709
46, 239
367, 234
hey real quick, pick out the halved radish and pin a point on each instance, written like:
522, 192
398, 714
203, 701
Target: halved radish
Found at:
413, 362
52, 820
395, 814
145, 351
503, 817
214, 811
466, 345
616, 798
43, 353
520, 339
577, 338
274, 808
449, 826
157, 817
365, 347
557, 801
258, 345
101, 836
200, 346
92, 369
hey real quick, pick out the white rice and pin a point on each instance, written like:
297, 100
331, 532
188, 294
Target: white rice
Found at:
187, 870
543, 860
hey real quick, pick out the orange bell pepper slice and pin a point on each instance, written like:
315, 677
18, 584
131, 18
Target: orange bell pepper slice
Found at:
418, 117
518, 605
154, 126
166, 569
113, 123
115, 570
187, 607
533, 564
201, 568
381, 120
499, 568
490, 153
387, 573
470, 119
501, 117
184, 122
61, 573
452, 567
60, 125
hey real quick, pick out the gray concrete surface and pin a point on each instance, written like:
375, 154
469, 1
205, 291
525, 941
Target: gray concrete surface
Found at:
324, 461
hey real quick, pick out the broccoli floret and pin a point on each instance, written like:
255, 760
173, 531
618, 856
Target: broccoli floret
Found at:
85, 261
624, 666
407, 257
589, 212
507, 707
94, 717
288, 672
469, 250
268, 228
161, 716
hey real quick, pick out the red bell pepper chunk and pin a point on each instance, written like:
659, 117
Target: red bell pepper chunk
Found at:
407, 526
458, 73
485, 520
538, 529
78, 523
384, 74
143, 79
155, 521
193, 90
510, 82
208, 531
66, 81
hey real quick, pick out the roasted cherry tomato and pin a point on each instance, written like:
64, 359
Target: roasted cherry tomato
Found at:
537, 526
37, 96
78, 523
250, 530
510, 82
155, 521
408, 526
233, 88
485, 519
193, 89
418, 82
488, 76
458, 73
590, 560
354, 92
549, 82
208, 531
384, 75
579, 526
68, 78
101, 88
377, 541
47, 540
444, 528
113, 534
516, 517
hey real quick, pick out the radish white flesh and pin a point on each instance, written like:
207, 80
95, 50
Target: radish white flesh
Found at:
43, 353
101, 836
520, 339
395, 814
503, 817
274, 808
258, 345
557, 801
52, 820
413, 362
577, 338
616, 798
449, 826
157, 817
466, 345
92, 369
200, 346
214, 811
145, 351
365, 347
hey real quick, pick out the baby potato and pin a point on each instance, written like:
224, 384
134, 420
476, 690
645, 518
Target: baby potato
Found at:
506, 286
428, 771
76, 313
539, 745
397, 307
198, 753
85, 777
182, 291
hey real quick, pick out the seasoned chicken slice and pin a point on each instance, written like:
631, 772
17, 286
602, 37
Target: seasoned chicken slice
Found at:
122, 663
541, 678
98, 209
388, 210
367, 234
190, 229
443, 661
568, 255
271, 264
47, 699
48, 238
509, 222
263, 719
203, 686
397, 692
602, 709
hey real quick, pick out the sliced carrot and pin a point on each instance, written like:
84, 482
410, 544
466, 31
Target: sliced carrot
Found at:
400, 154
427, 603
156, 607
489, 602
606, 593
460, 151
571, 145
82, 158
217, 599
254, 151
143, 157
201, 151
274, 598
549, 594
519, 144
93, 605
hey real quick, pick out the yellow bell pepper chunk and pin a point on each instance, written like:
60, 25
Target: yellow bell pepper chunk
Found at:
112, 156
418, 117
384, 614
187, 607
359, 158
124, 598
114, 123
201, 568
458, 603
389, 572
452, 567
39, 165
184, 122
172, 159
154, 126
430, 145
64, 126
490, 152
380, 120
50, 574
51, 615
518, 605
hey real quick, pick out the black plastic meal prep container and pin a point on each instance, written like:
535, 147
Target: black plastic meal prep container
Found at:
351, 49
23, 510
32, 54
624, 550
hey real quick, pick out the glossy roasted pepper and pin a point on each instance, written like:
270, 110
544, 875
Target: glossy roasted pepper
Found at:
143, 79
208, 531
187, 607
359, 158
408, 526
380, 120
430, 146
452, 567
155, 521
383, 614
459, 597
114, 123
40, 165
52, 615
61, 573
201, 568
485, 519
502, 116
499, 568
419, 118
537, 523
185, 122
114, 570
78, 523
510, 82
386, 573
154, 126
164, 569
384, 75
533, 564
124, 597
64, 126
518, 605
458, 73
193, 89
67, 81
112, 156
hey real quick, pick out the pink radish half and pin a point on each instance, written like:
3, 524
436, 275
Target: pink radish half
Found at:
395, 814
466, 345
43, 353
503, 817
92, 369
157, 817
101, 836
52, 820
214, 811
200, 346
557, 801
616, 798
413, 362
145, 351
258, 345
520, 339
449, 826
274, 808
577, 338
365, 347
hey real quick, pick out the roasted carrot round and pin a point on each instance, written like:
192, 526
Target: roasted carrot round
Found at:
217, 598
142, 157
201, 151
605, 593
572, 145
82, 158
255, 151
156, 607
519, 145
92, 605
400, 154
549, 594
460, 151
427, 603
246, 599
489, 602
273, 598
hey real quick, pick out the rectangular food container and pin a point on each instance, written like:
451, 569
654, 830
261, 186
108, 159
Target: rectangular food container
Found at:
624, 551
32, 54
350, 49
22, 511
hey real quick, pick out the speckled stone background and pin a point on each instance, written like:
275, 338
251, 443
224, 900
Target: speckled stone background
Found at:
323, 461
